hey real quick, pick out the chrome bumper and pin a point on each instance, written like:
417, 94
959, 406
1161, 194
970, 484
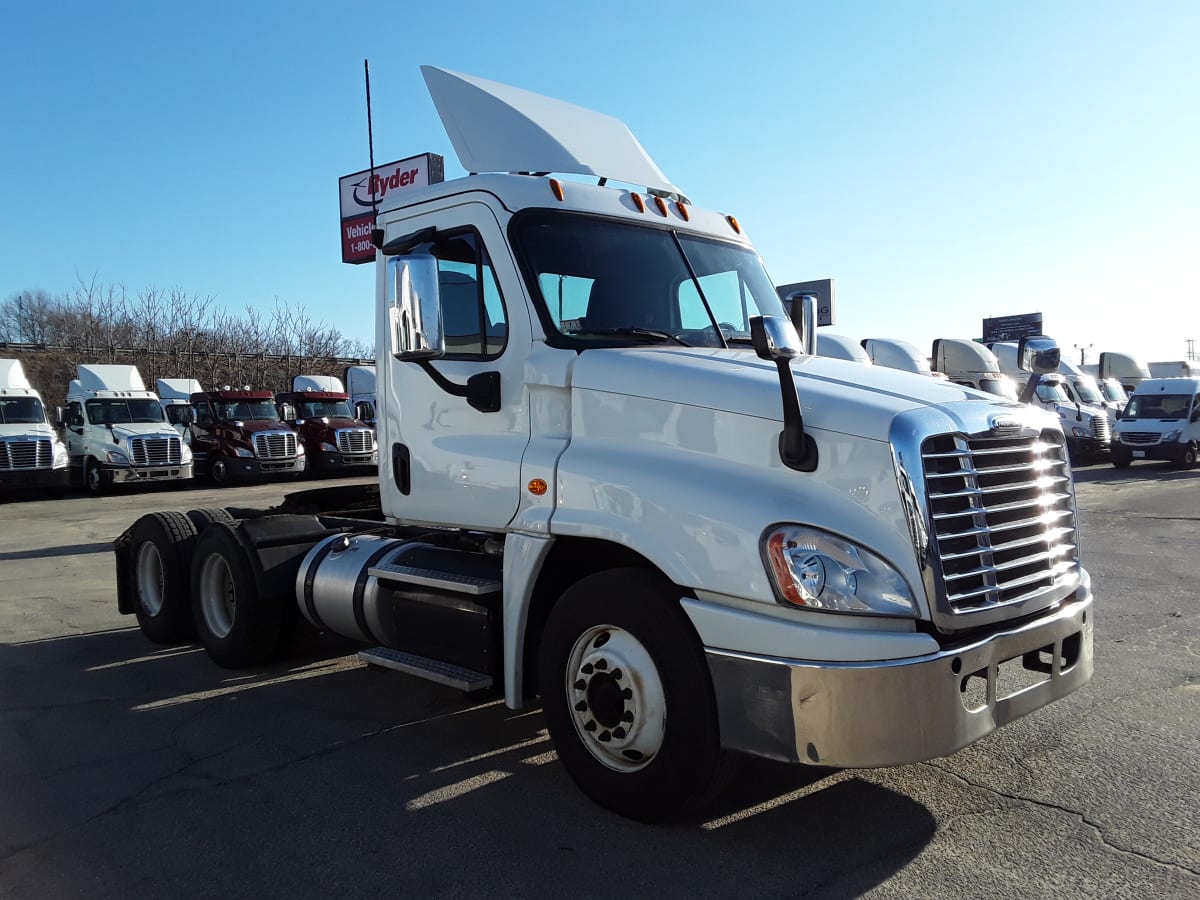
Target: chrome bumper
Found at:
126, 474
894, 712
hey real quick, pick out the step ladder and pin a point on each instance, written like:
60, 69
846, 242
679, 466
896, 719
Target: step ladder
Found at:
467, 680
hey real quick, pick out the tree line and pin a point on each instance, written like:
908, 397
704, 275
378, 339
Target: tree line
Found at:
167, 333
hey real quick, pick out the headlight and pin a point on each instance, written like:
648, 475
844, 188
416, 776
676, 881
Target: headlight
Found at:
817, 570
244, 451
185, 453
60, 454
1080, 432
1171, 436
118, 458
328, 447
299, 449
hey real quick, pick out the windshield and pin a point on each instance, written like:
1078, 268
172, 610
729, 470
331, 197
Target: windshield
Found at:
320, 409
1113, 391
245, 411
177, 413
1001, 387
21, 410
601, 280
1158, 406
1088, 390
117, 411
1052, 392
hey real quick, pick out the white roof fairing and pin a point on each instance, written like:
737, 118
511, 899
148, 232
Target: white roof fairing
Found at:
498, 128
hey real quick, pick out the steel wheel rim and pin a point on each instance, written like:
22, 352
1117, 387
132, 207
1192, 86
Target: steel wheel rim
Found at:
218, 470
218, 601
150, 579
93, 477
615, 698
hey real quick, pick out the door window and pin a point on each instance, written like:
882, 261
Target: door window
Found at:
474, 320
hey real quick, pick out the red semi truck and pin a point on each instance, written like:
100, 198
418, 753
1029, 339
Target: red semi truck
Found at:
318, 408
238, 435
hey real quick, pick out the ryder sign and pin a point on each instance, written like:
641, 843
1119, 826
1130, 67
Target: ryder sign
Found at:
388, 181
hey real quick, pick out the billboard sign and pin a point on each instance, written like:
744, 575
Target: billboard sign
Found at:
1012, 328
826, 293
386, 185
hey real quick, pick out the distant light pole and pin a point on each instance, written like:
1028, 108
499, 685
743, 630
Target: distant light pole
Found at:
1083, 349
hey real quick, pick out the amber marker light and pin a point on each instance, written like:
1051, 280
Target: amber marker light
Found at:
683, 213
537, 487
661, 204
733, 223
557, 188
638, 202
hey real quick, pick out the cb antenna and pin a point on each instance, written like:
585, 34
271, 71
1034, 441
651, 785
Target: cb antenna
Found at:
376, 231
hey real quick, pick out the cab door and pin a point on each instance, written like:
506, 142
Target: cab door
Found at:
443, 459
199, 433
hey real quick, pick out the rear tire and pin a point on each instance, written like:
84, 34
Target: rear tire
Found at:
1188, 460
160, 554
628, 698
238, 626
202, 518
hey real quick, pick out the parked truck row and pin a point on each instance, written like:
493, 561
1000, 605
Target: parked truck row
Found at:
617, 479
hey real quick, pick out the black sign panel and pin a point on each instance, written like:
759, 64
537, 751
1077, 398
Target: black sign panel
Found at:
1012, 328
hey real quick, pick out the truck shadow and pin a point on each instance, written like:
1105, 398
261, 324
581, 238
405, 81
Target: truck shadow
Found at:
133, 767
1139, 471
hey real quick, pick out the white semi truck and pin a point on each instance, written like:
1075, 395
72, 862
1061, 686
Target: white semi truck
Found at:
360, 385
892, 353
838, 346
31, 454
117, 433
656, 510
971, 364
175, 396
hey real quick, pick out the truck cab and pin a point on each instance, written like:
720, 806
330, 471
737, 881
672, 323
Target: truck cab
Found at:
838, 346
175, 395
31, 453
1126, 368
237, 435
892, 353
1161, 421
336, 441
360, 385
116, 431
970, 364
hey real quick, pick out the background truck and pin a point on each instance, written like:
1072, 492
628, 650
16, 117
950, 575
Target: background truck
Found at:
616, 477
1084, 390
1161, 421
896, 354
1126, 368
31, 454
175, 395
838, 346
1088, 428
116, 431
360, 385
318, 408
237, 435
971, 364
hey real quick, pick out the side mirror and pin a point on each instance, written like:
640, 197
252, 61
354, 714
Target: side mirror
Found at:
1039, 355
1196, 413
415, 308
801, 308
364, 411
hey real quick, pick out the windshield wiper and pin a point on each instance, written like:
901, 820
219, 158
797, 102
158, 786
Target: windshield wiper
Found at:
639, 332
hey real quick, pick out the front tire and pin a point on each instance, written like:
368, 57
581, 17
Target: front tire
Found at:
628, 698
1120, 458
238, 626
160, 552
218, 470
95, 479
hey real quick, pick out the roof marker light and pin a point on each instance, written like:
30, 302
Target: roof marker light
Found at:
557, 188
639, 202
683, 213
733, 223
661, 204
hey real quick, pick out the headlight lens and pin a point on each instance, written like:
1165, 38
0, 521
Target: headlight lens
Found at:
328, 447
244, 451
60, 454
118, 458
1080, 432
817, 570
1171, 436
299, 449
185, 453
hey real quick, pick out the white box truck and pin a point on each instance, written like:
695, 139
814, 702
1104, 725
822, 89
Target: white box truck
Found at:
615, 477
1161, 421
31, 453
117, 433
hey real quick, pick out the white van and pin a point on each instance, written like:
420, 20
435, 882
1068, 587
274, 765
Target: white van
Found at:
116, 431
1162, 421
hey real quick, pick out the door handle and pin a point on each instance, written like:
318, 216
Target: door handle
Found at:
402, 468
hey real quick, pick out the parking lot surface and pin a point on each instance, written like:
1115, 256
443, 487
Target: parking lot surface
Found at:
132, 770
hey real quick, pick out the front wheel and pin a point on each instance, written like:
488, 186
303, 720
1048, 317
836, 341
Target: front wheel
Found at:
628, 698
1121, 458
95, 479
1188, 459
218, 470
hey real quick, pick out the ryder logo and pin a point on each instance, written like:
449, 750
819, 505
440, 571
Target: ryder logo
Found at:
379, 185
362, 194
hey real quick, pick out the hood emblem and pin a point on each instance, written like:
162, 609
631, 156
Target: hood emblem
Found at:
1004, 425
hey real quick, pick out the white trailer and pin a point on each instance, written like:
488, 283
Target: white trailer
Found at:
615, 476
31, 453
117, 433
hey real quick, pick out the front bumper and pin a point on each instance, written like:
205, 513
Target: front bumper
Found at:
243, 469
1171, 451
35, 478
327, 461
1086, 446
126, 474
894, 712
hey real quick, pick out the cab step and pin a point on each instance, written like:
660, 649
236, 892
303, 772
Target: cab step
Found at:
456, 582
466, 680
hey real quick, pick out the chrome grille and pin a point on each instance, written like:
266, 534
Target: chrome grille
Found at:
275, 445
1140, 437
155, 451
354, 440
1003, 517
1101, 429
26, 454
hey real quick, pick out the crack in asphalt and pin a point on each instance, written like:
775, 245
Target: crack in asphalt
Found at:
1045, 804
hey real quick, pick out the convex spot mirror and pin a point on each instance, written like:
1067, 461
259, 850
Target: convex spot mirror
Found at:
414, 308
1040, 355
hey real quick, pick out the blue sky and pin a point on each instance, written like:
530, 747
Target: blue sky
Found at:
943, 161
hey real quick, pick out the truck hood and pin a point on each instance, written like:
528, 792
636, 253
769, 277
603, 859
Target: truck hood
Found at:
144, 429
254, 426
835, 395
31, 430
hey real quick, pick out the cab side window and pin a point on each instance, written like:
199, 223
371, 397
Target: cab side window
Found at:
75, 413
474, 320
203, 413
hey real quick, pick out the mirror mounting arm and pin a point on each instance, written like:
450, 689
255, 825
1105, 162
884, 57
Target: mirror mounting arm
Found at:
776, 340
1030, 388
482, 390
